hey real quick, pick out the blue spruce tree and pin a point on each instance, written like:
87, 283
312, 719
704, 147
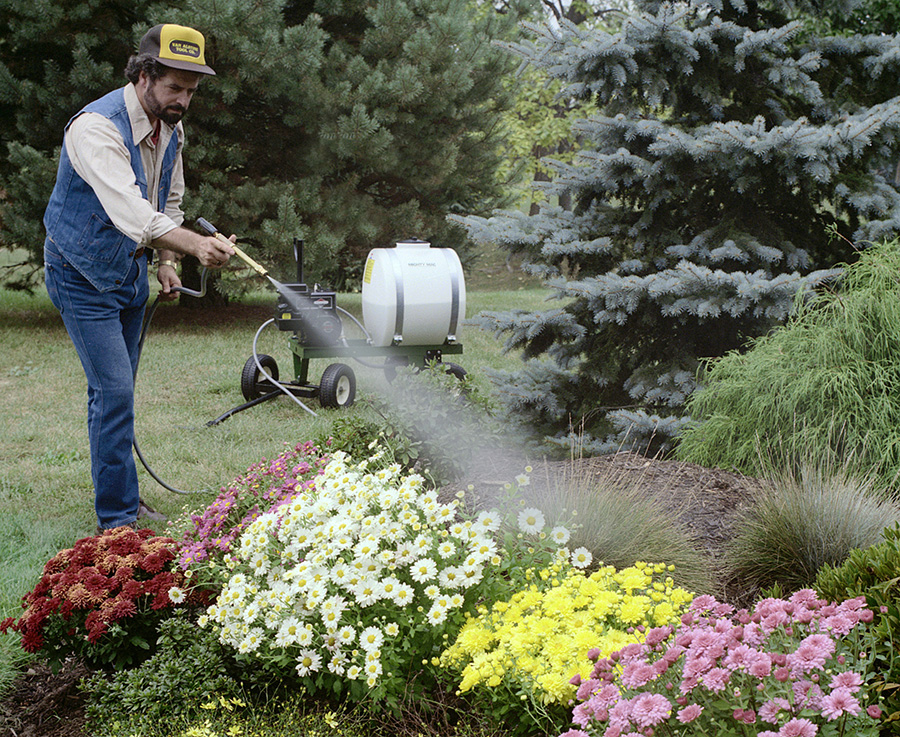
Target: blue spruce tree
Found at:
732, 141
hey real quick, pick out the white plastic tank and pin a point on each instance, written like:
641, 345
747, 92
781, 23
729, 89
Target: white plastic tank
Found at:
413, 294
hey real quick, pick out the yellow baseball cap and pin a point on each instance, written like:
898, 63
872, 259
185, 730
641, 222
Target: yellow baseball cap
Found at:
178, 47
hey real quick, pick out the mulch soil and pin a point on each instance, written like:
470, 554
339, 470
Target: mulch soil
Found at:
46, 704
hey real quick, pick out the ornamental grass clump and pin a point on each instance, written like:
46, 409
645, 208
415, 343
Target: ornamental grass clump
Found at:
524, 651
804, 520
614, 517
352, 583
787, 668
265, 485
103, 599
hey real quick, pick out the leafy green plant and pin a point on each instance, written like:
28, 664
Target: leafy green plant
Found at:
189, 669
103, 599
823, 386
801, 521
874, 572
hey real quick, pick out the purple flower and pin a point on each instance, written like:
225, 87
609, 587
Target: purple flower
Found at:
768, 712
586, 688
811, 654
637, 674
848, 679
760, 666
715, 679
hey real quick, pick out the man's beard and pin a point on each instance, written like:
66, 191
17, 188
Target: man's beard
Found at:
169, 115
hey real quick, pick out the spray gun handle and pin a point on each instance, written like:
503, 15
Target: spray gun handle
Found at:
207, 226
213, 231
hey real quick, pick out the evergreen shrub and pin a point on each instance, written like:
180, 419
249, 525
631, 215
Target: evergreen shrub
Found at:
726, 139
822, 386
874, 572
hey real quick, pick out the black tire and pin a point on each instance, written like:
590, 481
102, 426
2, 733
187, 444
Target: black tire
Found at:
337, 388
253, 384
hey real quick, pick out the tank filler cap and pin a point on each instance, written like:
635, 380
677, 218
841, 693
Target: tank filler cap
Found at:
413, 243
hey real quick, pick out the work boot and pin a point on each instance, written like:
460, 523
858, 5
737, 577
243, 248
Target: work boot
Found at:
145, 511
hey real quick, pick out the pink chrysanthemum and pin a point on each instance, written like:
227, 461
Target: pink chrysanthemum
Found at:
637, 674
811, 654
839, 702
849, 680
798, 728
768, 712
650, 709
689, 713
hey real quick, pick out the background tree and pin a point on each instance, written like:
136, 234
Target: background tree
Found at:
729, 139
349, 124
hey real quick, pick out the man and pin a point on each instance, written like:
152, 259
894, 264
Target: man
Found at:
118, 195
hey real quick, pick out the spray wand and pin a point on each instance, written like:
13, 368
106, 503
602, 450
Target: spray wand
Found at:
261, 270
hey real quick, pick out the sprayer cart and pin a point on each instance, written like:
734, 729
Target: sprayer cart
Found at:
413, 298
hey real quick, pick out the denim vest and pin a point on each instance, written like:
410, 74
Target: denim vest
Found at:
76, 223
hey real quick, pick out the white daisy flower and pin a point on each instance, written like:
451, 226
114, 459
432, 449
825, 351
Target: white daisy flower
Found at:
403, 595
176, 595
581, 557
308, 661
560, 535
446, 549
371, 638
488, 521
422, 570
531, 520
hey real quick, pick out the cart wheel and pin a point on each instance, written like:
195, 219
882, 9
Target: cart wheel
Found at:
390, 366
251, 386
337, 388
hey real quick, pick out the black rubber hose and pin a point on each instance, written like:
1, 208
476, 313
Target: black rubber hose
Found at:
148, 318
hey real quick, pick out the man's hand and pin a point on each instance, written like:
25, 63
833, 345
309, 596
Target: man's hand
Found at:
168, 280
210, 252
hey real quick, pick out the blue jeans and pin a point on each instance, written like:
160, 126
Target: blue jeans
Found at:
105, 328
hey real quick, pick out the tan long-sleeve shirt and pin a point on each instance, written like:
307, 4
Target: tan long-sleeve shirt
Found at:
100, 157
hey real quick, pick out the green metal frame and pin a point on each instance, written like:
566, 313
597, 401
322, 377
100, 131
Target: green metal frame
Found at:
416, 355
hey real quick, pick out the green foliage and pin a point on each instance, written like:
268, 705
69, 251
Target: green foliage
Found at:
799, 523
188, 670
727, 139
348, 124
874, 572
823, 386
